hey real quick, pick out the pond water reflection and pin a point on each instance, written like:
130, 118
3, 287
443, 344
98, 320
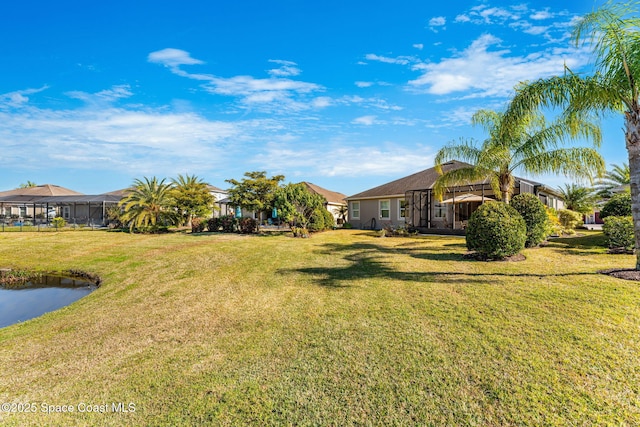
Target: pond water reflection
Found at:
40, 296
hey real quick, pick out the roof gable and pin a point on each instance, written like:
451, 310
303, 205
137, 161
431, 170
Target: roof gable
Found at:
330, 196
41, 190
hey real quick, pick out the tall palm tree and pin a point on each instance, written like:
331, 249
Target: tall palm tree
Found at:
613, 32
617, 177
578, 198
148, 204
531, 146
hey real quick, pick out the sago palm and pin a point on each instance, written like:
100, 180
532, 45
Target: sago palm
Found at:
614, 33
531, 147
148, 204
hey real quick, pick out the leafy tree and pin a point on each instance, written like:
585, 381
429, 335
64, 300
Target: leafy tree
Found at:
578, 198
618, 176
255, 192
191, 198
28, 184
296, 204
148, 205
612, 30
530, 145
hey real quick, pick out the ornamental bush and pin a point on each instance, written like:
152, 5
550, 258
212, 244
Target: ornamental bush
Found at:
247, 226
496, 230
535, 217
569, 220
214, 224
619, 232
618, 205
198, 224
321, 219
58, 222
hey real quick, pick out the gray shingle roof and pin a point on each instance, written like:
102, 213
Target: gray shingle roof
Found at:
418, 181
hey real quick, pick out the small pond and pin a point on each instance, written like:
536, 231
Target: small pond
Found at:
39, 296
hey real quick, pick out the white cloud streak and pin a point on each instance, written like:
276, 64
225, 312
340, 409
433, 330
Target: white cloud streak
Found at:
480, 71
276, 94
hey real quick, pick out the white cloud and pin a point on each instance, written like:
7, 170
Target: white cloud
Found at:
364, 84
172, 58
287, 68
277, 94
365, 120
322, 102
107, 95
541, 14
18, 97
389, 160
401, 60
483, 72
419, 46
436, 23
521, 18
126, 141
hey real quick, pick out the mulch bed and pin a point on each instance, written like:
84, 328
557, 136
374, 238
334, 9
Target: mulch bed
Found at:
626, 273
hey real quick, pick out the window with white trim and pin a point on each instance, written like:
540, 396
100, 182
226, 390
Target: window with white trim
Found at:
402, 208
355, 210
384, 209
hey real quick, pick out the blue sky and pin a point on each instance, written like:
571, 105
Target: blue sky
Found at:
347, 95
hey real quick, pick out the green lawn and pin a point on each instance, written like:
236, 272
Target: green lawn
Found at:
344, 328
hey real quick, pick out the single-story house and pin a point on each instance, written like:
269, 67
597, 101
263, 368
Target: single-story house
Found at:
38, 204
409, 202
334, 201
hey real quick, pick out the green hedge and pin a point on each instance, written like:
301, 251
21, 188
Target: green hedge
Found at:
535, 217
619, 232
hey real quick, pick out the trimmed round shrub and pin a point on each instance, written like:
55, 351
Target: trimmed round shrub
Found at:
496, 230
535, 217
618, 205
619, 232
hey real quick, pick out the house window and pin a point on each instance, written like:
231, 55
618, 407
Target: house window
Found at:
525, 187
66, 212
439, 210
385, 211
402, 208
355, 210
23, 211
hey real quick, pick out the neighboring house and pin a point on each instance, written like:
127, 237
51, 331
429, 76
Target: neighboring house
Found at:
594, 217
409, 202
333, 199
31, 203
221, 200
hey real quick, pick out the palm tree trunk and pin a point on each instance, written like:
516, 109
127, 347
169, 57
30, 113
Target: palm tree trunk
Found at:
632, 136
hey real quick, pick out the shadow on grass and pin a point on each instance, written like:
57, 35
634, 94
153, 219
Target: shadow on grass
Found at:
591, 241
366, 262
